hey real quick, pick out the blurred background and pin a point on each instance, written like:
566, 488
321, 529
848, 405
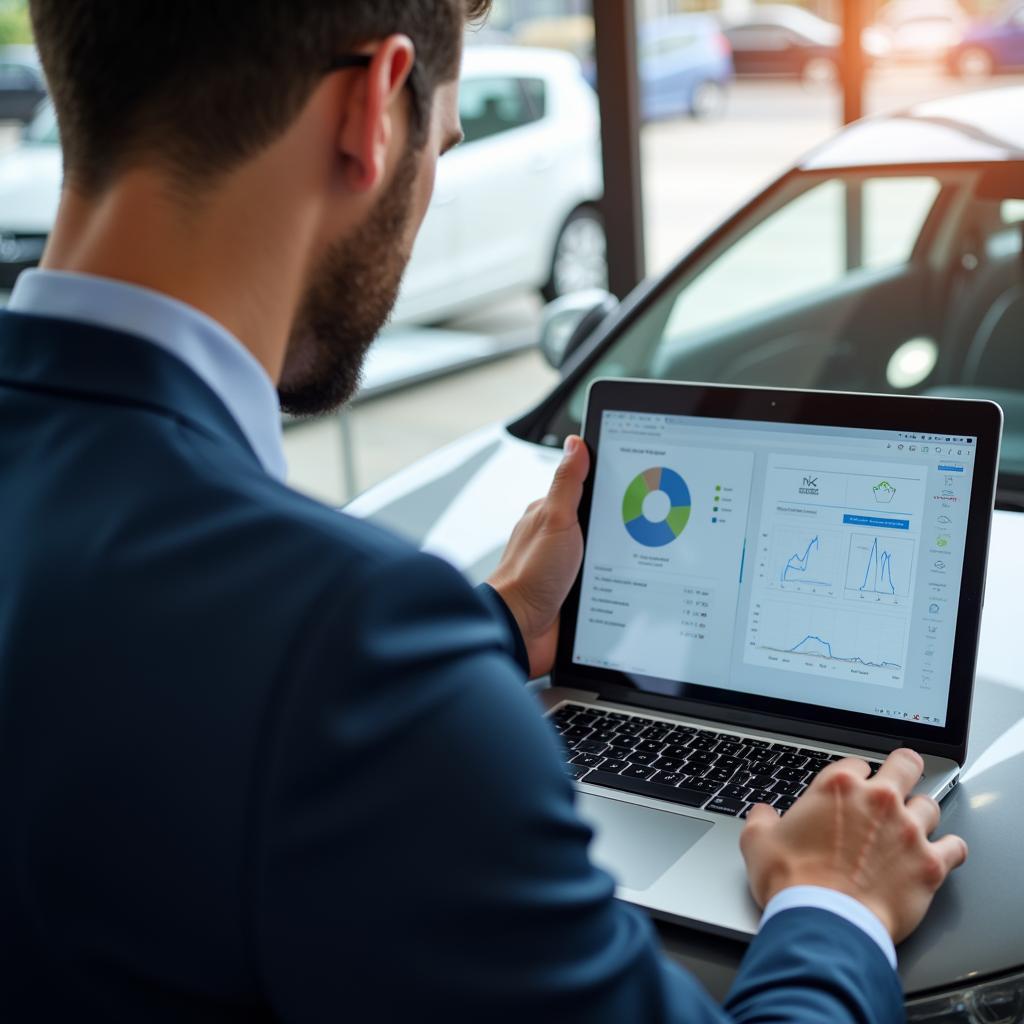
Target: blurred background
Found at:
731, 93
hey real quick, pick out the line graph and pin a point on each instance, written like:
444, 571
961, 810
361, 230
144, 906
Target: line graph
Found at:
879, 567
823, 639
806, 646
795, 569
804, 561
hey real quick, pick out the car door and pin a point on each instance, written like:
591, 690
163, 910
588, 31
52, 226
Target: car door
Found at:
668, 70
499, 176
762, 50
431, 282
1014, 38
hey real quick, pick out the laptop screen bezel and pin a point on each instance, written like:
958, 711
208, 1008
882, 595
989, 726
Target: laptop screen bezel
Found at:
980, 419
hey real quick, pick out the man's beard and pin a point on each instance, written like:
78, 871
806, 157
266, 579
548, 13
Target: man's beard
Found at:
353, 293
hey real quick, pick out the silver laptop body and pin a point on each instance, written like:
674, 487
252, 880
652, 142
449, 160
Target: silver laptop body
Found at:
808, 554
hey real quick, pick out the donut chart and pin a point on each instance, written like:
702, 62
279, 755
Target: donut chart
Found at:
656, 533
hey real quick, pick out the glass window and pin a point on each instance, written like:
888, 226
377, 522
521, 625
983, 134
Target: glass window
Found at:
17, 77
859, 281
798, 250
894, 213
490, 106
536, 97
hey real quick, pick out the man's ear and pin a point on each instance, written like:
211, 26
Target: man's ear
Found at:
376, 113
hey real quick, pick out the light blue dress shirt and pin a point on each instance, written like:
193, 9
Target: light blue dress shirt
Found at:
233, 374
209, 350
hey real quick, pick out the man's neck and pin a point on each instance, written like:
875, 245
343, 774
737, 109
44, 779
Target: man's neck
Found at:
236, 257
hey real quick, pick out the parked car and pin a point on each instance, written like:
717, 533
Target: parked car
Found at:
685, 67
685, 60
989, 47
786, 41
890, 260
22, 85
515, 206
30, 180
921, 30
532, 138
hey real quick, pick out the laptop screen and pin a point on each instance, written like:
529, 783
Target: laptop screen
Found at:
820, 565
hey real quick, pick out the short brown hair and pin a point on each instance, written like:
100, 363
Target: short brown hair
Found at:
202, 85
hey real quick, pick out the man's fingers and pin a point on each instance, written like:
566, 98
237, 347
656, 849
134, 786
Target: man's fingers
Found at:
926, 811
759, 817
567, 487
952, 851
902, 769
848, 764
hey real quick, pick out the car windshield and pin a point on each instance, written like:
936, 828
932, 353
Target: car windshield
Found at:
891, 281
42, 129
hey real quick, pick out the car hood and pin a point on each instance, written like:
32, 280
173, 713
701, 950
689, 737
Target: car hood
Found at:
30, 182
462, 503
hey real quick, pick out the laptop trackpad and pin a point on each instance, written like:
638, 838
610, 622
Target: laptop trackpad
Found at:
636, 844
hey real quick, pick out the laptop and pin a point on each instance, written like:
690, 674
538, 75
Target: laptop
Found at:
772, 580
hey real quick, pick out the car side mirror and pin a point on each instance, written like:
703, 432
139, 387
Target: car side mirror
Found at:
569, 321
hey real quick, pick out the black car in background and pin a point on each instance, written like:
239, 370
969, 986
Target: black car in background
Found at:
22, 85
780, 40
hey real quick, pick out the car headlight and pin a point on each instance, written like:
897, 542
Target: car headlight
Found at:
992, 1002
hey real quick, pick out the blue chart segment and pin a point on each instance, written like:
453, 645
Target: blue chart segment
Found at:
654, 528
879, 567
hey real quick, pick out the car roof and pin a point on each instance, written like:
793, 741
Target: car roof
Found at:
797, 19
517, 60
979, 127
656, 27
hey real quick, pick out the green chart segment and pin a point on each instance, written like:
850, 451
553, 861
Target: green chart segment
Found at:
656, 533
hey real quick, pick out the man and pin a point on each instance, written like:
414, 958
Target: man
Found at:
258, 760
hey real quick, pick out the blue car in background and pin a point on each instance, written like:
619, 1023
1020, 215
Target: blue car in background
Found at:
685, 67
991, 47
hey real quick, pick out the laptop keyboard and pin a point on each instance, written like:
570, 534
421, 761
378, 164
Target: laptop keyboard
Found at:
685, 764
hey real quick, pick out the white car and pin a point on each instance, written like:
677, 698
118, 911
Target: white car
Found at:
514, 207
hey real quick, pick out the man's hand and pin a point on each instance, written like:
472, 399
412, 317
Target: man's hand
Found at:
543, 557
859, 836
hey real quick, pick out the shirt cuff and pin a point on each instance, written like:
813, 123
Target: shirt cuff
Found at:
846, 907
496, 603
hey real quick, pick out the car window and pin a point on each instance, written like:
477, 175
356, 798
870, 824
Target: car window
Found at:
861, 281
796, 251
894, 212
669, 45
490, 106
17, 77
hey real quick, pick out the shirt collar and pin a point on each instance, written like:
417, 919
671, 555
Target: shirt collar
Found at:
215, 355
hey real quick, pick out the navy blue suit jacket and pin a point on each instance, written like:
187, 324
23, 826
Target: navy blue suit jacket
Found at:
262, 761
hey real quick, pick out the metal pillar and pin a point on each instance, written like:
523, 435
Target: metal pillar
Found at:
854, 67
618, 86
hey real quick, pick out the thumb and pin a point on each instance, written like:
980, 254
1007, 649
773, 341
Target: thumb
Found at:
567, 487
